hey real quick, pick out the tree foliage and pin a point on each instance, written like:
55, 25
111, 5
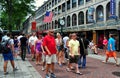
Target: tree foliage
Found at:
14, 12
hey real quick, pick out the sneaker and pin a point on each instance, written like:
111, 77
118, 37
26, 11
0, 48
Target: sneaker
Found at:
53, 75
104, 61
47, 76
15, 69
60, 65
5, 73
117, 64
68, 69
43, 68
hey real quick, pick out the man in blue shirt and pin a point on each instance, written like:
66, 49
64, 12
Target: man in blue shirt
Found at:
111, 49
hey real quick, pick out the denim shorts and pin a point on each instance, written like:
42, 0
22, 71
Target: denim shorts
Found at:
8, 56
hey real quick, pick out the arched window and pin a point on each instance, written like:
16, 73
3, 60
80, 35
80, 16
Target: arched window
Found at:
119, 10
74, 20
108, 11
80, 18
68, 21
99, 13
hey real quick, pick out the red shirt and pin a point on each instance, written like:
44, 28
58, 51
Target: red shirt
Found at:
49, 42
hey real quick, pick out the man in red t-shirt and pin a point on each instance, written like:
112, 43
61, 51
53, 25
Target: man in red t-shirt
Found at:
51, 50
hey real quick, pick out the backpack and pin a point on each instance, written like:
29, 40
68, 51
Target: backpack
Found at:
4, 46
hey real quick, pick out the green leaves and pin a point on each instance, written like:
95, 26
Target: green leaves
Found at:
15, 11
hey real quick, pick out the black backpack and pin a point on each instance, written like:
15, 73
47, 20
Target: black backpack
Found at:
4, 46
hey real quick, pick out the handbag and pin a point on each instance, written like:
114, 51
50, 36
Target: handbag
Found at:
85, 50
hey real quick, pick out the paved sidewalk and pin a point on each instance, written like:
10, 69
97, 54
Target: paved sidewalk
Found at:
25, 70
94, 69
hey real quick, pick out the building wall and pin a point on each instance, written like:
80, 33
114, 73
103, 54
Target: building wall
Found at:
75, 11
60, 11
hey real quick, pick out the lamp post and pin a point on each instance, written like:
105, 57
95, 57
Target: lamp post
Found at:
61, 23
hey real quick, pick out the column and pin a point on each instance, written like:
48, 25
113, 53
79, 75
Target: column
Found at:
84, 2
94, 36
94, 14
104, 13
85, 17
77, 3
117, 8
70, 21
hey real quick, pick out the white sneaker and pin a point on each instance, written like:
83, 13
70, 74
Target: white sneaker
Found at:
104, 61
43, 68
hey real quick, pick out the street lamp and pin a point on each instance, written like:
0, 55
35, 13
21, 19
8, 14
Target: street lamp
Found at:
61, 23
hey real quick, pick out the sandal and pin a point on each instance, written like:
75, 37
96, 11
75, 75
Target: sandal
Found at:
78, 73
68, 70
5, 73
72, 68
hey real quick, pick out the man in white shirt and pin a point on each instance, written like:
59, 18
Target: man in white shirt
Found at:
32, 40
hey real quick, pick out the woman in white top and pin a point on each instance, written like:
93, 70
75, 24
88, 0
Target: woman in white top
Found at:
93, 47
60, 49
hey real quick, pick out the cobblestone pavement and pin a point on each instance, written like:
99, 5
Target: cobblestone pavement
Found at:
95, 68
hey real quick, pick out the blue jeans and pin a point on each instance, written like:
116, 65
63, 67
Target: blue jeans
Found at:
83, 62
28, 49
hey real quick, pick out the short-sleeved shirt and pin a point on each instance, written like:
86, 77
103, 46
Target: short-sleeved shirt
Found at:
105, 42
23, 41
111, 41
49, 42
32, 39
65, 41
74, 44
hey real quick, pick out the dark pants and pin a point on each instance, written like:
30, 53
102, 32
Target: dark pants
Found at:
23, 52
83, 62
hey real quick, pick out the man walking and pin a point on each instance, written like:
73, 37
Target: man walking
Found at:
32, 40
9, 55
51, 50
74, 52
83, 45
23, 45
111, 49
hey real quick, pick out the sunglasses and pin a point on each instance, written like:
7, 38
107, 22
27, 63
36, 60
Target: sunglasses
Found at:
51, 32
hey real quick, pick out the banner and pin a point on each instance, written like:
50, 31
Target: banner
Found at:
34, 25
112, 7
90, 14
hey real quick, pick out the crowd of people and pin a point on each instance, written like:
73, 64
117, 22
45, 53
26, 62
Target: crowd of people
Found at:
53, 48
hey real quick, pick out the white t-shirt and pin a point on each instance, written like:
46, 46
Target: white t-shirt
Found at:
58, 41
32, 40
65, 40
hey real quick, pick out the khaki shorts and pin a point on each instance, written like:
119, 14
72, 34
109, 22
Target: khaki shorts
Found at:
51, 59
43, 57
